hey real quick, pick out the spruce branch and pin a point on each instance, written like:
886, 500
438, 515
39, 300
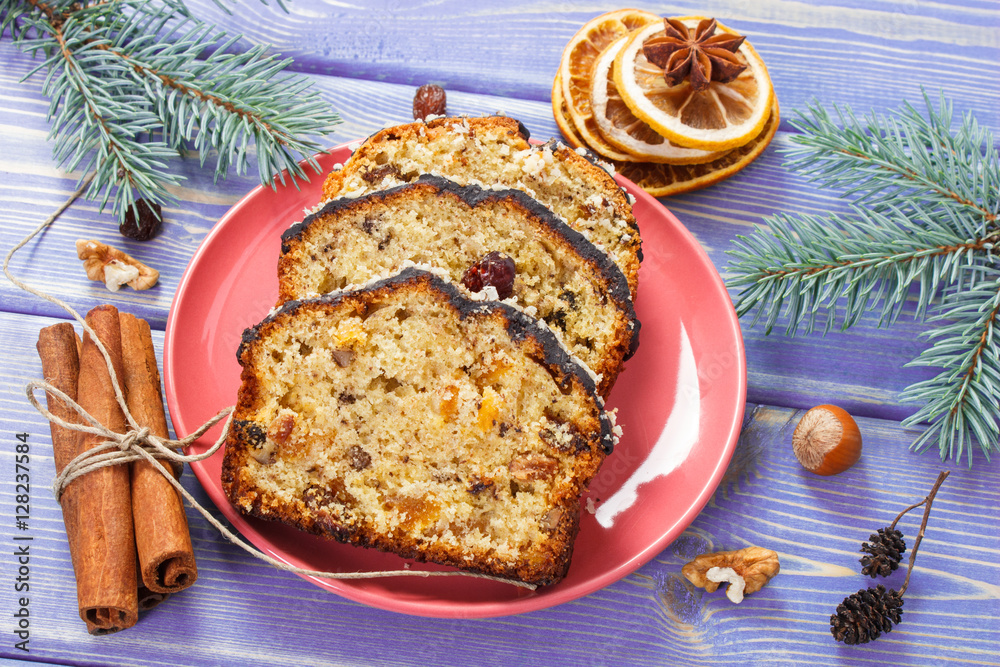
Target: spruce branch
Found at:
911, 158
960, 403
924, 201
132, 84
815, 267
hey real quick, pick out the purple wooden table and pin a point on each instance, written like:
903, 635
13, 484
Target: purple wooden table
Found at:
366, 58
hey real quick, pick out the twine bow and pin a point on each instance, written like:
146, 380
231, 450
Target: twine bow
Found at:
120, 448
138, 443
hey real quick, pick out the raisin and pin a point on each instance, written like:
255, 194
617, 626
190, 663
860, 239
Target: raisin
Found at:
358, 458
376, 174
478, 485
429, 100
496, 270
144, 226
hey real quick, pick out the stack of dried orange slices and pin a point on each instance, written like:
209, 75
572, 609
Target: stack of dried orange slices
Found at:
676, 104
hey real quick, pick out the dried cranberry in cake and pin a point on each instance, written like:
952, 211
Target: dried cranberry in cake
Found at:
496, 270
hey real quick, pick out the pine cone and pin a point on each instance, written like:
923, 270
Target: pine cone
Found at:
865, 615
885, 550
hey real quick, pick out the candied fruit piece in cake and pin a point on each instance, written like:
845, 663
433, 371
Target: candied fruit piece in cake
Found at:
418, 445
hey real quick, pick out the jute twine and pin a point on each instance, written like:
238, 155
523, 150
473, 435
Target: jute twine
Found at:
139, 444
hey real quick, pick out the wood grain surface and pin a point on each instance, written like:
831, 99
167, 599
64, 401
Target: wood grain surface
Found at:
366, 58
869, 361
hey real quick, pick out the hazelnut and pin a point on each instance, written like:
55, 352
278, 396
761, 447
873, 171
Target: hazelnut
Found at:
531, 467
113, 267
552, 519
827, 440
746, 570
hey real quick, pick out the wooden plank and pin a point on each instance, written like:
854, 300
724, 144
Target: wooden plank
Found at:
366, 62
243, 611
857, 53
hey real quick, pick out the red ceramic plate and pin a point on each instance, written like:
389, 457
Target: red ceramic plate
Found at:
680, 402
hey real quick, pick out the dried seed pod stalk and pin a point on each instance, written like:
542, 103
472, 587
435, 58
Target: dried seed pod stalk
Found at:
863, 616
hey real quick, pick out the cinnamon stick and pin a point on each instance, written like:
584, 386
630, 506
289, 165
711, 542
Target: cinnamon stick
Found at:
58, 348
97, 507
147, 598
163, 541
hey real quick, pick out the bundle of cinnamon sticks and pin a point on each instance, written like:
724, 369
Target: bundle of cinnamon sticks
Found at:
126, 526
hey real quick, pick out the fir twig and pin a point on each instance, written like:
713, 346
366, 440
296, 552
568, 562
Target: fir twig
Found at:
924, 203
960, 402
132, 84
908, 158
809, 266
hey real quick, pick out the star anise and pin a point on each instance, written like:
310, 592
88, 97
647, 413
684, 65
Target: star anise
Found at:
698, 54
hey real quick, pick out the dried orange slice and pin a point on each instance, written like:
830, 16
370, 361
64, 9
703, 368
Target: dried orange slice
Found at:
560, 111
723, 116
664, 180
561, 114
623, 130
578, 59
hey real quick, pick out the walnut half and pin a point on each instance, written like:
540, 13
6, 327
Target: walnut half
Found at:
113, 267
746, 570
